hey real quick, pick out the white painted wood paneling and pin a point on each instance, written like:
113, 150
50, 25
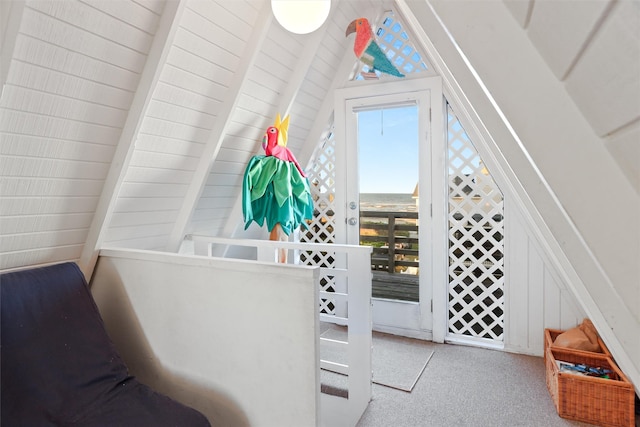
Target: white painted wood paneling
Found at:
44, 239
160, 160
66, 35
241, 143
155, 6
226, 125
561, 29
232, 155
624, 147
55, 187
208, 21
38, 78
152, 243
44, 167
44, 104
123, 219
149, 189
41, 255
166, 145
131, 12
222, 191
223, 179
609, 95
48, 147
535, 298
173, 113
184, 109
178, 96
69, 85
28, 223
90, 19
141, 175
135, 233
24, 123
521, 10
188, 134
47, 55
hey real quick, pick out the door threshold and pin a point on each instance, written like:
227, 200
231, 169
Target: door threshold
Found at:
409, 333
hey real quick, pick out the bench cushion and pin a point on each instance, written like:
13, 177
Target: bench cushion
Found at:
59, 366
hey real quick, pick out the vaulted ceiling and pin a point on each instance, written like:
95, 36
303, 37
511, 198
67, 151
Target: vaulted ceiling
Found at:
131, 122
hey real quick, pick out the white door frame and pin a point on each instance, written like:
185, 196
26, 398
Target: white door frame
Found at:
403, 318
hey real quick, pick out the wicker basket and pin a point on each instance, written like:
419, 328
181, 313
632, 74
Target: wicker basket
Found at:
605, 402
550, 336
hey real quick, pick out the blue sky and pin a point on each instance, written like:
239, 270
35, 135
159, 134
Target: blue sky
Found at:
388, 150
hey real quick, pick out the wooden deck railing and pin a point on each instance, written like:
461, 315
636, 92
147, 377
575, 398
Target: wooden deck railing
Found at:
394, 237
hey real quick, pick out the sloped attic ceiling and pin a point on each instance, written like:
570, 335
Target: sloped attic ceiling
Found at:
131, 122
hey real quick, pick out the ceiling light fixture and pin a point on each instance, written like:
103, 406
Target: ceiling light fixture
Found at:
301, 16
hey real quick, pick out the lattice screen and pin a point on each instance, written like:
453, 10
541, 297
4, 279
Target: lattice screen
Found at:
476, 246
321, 229
394, 41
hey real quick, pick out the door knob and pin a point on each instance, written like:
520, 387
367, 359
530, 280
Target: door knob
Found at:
353, 221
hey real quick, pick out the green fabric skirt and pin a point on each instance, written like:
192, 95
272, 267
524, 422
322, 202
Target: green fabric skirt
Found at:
275, 191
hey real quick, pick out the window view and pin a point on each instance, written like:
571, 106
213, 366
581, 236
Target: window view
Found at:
389, 197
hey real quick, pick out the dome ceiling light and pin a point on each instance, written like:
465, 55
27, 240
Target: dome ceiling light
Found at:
301, 16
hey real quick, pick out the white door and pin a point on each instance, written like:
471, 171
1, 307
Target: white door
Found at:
358, 164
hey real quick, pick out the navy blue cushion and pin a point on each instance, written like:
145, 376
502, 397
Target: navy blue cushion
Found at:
58, 365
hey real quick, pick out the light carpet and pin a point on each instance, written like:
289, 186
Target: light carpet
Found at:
397, 362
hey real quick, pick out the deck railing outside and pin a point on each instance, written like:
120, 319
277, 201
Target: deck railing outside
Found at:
394, 259
394, 238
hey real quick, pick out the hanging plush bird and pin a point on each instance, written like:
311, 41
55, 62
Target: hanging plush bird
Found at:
367, 50
275, 188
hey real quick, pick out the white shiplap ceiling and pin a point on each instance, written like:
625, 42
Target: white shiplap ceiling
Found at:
130, 122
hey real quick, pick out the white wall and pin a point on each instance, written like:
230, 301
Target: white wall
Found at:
577, 199
536, 296
235, 339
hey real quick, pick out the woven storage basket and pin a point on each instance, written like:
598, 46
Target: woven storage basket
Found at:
605, 402
550, 336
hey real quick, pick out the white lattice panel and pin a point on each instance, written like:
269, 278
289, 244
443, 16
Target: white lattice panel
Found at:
394, 42
476, 241
321, 229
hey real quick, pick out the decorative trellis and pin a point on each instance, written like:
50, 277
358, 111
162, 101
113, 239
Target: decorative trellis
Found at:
321, 229
394, 41
476, 245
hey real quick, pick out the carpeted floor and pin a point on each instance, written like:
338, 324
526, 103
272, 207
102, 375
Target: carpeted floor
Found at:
468, 386
397, 362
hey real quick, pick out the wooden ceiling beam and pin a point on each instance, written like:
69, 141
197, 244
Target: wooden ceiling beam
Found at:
156, 59
219, 130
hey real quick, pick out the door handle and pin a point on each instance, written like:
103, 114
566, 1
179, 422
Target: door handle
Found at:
352, 221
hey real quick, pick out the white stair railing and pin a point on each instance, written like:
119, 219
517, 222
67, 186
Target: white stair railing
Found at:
352, 298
